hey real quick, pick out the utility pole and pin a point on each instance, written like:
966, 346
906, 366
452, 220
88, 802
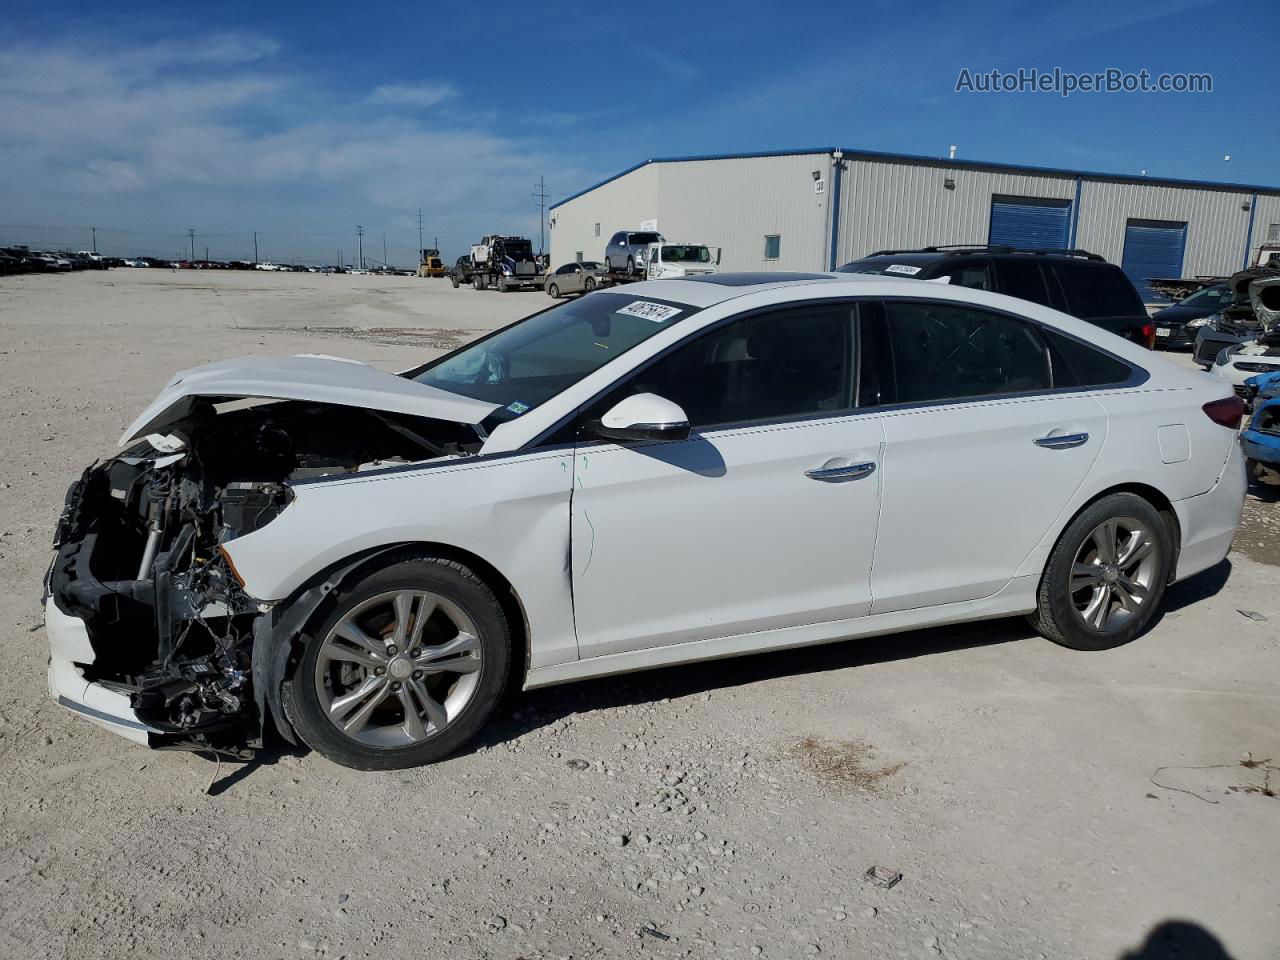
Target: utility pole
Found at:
384, 249
94, 231
541, 197
206, 254
255, 246
191, 234
419, 231
360, 243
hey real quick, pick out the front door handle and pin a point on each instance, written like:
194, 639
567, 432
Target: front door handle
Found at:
1063, 442
834, 471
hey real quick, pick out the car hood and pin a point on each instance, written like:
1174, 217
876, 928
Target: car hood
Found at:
319, 379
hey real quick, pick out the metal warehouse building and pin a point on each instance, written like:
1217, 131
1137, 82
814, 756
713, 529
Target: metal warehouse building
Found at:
816, 209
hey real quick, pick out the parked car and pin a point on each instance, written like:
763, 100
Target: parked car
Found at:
1239, 362
1176, 325
1077, 282
10, 265
136, 262
1260, 440
27, 261
461, 271
580, 277
55, 263
1239, 322
676, 471
628, 250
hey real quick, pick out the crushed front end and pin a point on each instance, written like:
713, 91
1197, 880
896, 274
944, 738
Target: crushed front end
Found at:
151, 633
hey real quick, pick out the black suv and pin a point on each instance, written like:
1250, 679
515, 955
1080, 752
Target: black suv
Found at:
1073, 281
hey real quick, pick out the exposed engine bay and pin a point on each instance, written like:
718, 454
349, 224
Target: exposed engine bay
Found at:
138, 548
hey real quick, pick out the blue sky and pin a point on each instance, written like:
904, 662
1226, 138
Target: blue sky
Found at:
302, 121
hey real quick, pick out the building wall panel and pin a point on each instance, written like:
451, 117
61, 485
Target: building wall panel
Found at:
906, 205
617, 205
1217, 221
733, 204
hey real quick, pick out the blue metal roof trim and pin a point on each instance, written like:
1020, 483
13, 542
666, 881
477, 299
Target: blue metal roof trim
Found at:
855, 154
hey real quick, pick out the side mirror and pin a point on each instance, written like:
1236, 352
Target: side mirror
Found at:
645, 416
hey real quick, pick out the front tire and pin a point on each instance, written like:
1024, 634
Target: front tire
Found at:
1106, 575
589, 285
400, 669
554, 292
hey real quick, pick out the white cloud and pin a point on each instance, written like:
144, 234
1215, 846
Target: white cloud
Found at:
413, 95
126, 139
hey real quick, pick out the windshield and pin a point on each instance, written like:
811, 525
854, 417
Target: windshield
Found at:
685, 253
1213, 297
526, 364
634, 238
516, 249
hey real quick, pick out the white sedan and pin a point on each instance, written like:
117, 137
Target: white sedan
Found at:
677, 471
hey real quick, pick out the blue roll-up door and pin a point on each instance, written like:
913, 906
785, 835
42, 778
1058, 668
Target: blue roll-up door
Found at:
1153, 248
1033, 223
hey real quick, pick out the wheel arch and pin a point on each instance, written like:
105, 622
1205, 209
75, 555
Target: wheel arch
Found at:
277, 636
1162, 504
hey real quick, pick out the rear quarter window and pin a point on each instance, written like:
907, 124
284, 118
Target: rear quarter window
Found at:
1077, 364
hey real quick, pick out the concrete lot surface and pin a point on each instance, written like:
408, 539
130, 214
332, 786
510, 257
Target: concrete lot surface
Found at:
1038, 802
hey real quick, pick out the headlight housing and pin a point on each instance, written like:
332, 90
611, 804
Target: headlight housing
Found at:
1199, 322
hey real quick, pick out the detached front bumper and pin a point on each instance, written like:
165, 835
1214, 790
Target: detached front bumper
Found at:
69, 651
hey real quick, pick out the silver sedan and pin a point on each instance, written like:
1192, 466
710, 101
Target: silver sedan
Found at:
582, 277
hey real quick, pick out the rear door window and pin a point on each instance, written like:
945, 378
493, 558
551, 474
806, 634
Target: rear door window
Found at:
919, 352
973, 276
1022, 279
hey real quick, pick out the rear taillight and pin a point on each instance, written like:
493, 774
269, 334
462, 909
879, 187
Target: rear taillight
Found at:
1228, 412
1149, 336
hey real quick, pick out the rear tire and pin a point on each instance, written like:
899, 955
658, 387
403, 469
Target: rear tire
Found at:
1106, 575
450, 671
454, 281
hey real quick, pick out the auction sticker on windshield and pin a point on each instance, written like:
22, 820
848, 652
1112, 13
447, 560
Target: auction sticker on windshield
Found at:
647, 310
909, 270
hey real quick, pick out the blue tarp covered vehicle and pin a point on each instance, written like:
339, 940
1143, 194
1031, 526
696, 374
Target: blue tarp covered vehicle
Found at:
1261, 439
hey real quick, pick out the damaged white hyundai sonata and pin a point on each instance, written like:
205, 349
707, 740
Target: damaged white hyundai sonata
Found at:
677, 471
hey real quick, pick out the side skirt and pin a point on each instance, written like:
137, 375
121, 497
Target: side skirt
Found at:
1017, 597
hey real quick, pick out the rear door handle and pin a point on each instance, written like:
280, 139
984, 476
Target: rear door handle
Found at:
1063, 442
840, 472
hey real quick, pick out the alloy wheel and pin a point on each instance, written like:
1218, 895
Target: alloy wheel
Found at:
1113, 573
396, 669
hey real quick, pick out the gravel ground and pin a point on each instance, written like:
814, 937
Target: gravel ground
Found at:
1037, 802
